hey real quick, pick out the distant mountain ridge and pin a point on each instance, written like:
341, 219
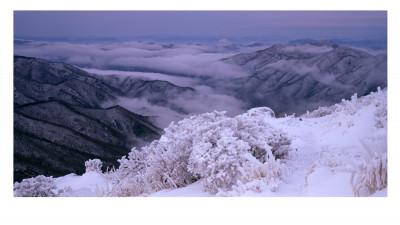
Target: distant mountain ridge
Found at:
365, 43
296, 78
39, 80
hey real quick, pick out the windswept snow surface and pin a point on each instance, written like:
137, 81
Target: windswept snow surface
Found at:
326, 146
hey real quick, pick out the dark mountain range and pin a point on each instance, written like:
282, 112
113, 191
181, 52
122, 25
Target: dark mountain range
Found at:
296, 78
59, 122
39, 80
156, 92
56, 138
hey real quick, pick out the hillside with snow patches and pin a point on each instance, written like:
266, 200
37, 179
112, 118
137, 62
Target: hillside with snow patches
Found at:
339, 150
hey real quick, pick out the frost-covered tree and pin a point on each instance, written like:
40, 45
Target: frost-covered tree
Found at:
39, 186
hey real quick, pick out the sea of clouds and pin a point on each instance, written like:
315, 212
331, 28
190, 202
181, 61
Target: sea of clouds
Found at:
193, 65
196, 65
191, 59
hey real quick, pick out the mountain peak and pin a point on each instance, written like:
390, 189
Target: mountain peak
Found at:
320, 43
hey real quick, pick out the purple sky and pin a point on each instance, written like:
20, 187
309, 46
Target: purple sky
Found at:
222, 24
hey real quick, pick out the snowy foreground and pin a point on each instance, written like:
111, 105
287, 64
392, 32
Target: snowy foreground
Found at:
334, 151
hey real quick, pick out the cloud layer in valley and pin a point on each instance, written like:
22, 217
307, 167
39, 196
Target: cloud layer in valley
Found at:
186, 65
206, 100
190, 60
195, 65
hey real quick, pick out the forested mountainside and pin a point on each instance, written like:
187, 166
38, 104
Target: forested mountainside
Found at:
296, 78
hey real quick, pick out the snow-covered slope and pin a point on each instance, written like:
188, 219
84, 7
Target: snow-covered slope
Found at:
333, 151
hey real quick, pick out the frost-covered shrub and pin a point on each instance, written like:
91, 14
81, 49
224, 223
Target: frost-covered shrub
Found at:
260, 112
39, 186
134, 186
209, 146
268, 174
320, 112
380, 115
258, 177
350, 107
167, 164
279, 142
93, 165
261, 136
371, 174
128, 179
131, 166
218, 157
168, 157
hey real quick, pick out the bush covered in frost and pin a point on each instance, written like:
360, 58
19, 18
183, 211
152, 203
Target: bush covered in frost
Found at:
258, 177
128, 179
320, 112
260, 135
93, 165
370, 175
39, 186
132, 165
351, 106
218, 158
209, 146
132, 186
368, 168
